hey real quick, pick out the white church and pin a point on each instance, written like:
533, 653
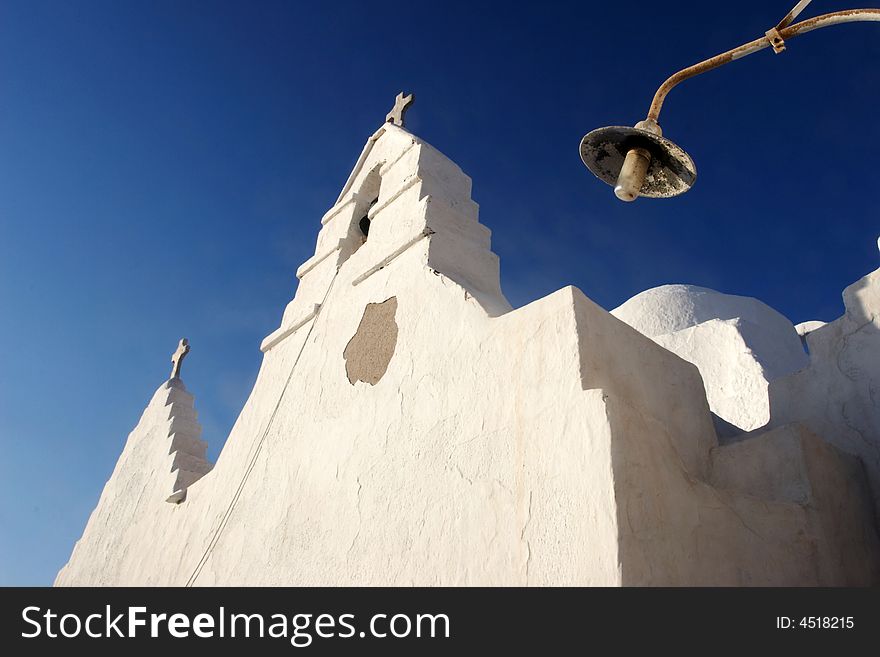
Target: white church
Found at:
408, 427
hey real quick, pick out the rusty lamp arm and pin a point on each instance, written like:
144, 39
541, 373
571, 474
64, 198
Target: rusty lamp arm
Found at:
775, 38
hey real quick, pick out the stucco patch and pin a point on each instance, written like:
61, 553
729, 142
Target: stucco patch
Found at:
370, 349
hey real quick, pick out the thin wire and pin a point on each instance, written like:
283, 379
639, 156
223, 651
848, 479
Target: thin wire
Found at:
216, 537
790, 16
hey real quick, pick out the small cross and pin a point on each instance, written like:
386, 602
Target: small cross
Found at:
177, 357
401, 104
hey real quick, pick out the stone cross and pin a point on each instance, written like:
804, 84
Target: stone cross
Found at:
401, 104
177, 357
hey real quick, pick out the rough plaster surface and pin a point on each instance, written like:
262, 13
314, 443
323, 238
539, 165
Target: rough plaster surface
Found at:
369, 351
838, 395
548, 445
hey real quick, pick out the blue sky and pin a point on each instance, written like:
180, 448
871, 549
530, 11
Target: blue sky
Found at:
164, 167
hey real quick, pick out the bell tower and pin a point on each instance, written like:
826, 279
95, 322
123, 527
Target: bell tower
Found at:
402, 195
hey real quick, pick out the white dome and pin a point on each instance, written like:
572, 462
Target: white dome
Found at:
770, 336
671, 308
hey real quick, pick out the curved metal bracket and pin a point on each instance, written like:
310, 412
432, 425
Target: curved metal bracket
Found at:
775, 38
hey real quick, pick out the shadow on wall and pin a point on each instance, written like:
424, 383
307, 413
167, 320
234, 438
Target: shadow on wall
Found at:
358, 230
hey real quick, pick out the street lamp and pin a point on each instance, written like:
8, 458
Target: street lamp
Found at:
640, 161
